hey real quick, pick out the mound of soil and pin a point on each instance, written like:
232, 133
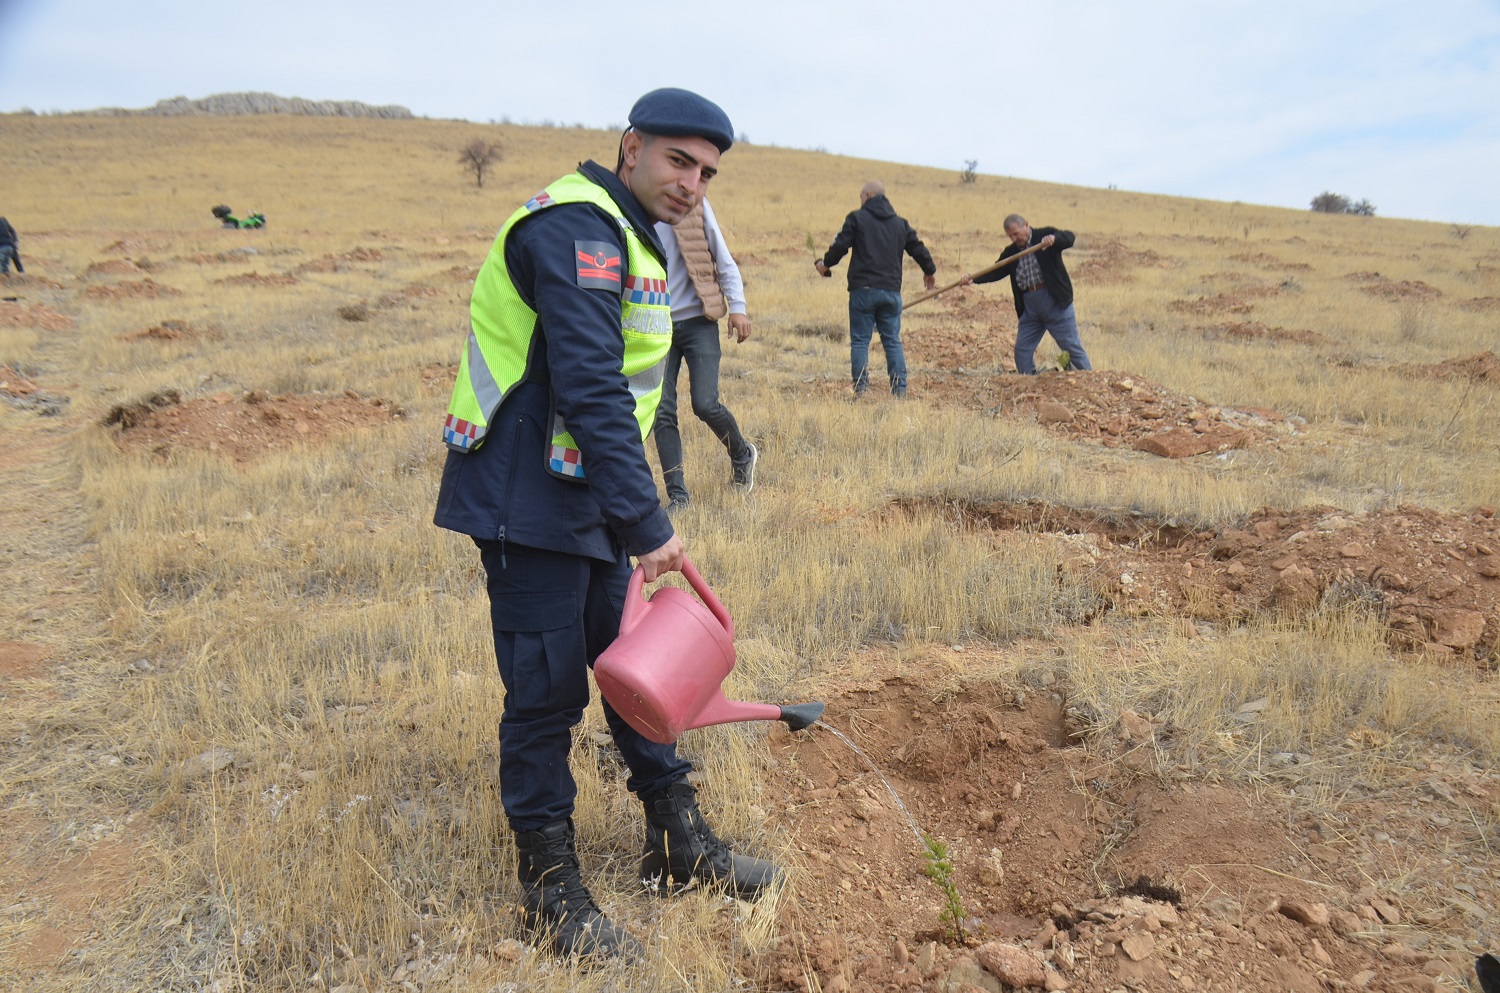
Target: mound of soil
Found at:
1266, 261
223, 258
1110, 261
409, 292
13, 384
439, 377
461, 273
1433, 577
1113, 409
116, 267
1482, 305
1377, 285
18, 390
1237, 301
16, 315
1482, 367
134, 246
1256, 331
342, 261
242, 428
169, 330
143, 289
256, 279
1076, 869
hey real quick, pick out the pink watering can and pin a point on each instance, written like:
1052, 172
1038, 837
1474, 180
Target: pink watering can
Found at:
662, 674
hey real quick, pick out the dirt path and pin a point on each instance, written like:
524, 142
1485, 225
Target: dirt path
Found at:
61, 878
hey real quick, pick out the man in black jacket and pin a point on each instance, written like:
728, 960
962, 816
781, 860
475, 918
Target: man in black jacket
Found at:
1042, 290
9, 252
878, 236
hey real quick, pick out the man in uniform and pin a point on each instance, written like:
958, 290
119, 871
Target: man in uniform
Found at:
547, 472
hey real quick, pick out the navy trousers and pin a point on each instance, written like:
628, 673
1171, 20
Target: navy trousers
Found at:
553, 615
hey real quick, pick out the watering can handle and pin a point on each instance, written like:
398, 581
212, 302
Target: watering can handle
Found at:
701, 588
635, 602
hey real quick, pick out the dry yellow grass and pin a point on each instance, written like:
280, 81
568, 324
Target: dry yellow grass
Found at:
299, 620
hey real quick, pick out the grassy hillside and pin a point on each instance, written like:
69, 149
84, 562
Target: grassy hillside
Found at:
250, 701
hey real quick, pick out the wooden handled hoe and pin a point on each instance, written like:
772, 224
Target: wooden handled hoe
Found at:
987, 269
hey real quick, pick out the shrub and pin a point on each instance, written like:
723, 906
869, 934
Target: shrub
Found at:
1337, 203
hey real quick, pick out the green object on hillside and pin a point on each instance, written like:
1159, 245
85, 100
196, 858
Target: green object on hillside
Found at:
255, 220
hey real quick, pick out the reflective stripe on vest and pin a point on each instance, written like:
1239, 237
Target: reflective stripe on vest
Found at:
502, 327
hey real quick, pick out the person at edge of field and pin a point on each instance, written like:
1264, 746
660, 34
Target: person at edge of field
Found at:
1043, 293
878, 237
556, 390
704, 283
9, 248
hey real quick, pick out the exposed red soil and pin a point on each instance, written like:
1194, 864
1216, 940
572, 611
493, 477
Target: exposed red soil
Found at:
257, 279
1109, 408
135, 246
1236, 301
1256, 331
168, 330
19, 659
233, 255
1088, 870
13, 384
116, 267
17, 315
143, 289
440, 376
1377, 285
1433, 577
342, 261
1266, 261
1482, 367
462, 273
1109, 261
242, 428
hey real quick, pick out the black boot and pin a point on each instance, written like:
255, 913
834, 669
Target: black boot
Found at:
680, 844
557, 904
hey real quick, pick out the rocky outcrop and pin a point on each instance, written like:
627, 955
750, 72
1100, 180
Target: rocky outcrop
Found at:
233, 104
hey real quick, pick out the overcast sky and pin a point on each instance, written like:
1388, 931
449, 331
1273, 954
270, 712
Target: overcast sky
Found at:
1269, 102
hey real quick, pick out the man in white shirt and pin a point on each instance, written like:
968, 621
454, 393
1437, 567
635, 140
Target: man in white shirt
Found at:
704, 284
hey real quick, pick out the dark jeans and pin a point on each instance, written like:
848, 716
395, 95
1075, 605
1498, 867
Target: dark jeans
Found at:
875, 310
695, 341
7, 255
1040, 315
553, 614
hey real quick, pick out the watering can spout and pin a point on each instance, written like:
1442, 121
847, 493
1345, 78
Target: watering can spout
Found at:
801, 715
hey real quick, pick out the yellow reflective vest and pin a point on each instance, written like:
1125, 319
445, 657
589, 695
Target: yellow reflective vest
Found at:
502, 325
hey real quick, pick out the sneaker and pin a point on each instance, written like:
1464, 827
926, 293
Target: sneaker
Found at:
744, 472
676, 503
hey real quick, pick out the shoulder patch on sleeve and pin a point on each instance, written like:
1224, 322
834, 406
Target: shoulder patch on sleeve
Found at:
598, 265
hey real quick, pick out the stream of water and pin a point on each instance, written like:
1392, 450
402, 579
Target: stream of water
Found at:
875, 769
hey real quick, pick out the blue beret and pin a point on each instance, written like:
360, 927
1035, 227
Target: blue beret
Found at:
675, 113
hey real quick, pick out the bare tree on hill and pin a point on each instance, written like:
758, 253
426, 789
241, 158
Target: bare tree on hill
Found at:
478, 156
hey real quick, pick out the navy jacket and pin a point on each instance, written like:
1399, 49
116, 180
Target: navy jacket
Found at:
502, 490
878, 236
1054, 273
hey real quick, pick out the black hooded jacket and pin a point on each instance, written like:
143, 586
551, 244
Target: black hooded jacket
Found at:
878, 236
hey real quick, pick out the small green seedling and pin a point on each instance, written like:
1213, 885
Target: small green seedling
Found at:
939, 869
